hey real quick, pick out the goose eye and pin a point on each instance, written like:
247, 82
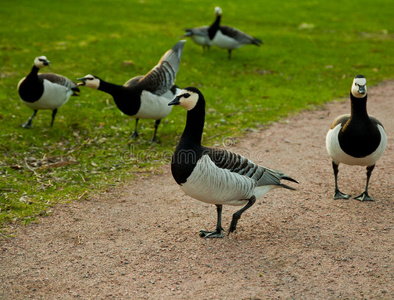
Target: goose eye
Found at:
186, 95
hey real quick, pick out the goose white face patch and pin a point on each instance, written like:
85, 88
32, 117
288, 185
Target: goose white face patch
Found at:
41, 61
188, 99
218, 11
357, 83
91, 81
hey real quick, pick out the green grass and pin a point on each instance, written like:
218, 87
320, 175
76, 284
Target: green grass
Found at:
311, 52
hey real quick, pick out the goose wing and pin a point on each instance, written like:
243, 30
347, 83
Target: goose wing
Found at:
241, 37
60, 80
162, 77
200, 31
340, 120
375, 121
241, 165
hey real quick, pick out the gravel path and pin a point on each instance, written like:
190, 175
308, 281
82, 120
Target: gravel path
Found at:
140, 241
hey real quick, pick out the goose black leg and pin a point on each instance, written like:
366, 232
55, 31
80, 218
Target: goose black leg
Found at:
135, 133
218, 231
154, 134
53, 116
238, 214
229, 54
338, 194
364, 196
29, 122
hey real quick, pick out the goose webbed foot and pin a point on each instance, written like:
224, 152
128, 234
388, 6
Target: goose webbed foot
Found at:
339, 195
364, 197
134, 135
218, 233
212, 234
28, 124
155, 140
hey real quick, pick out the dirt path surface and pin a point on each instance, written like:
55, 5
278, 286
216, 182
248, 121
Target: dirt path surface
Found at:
141, 241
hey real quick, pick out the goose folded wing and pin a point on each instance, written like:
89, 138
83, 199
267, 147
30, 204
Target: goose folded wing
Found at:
241, 165
200, 31
241, 37
60, 80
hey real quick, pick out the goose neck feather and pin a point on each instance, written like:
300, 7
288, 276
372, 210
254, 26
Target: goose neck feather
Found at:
358, 107
212, 30
31, 88
360, 135
127, 99
189, 149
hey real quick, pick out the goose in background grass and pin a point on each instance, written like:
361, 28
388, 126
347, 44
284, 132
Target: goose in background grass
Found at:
199, 35
144, 97
356, 139
227, 37
217, 176
45, 91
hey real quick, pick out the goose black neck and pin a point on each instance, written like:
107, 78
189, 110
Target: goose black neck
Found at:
194, 124
358, 107
214, 27
110, 88
33, 73
127, 99
34, 70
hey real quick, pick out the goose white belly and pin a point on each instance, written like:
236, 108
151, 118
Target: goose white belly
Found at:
339, 156
224, 41
54, 96
153, 106
201, 40
214, 185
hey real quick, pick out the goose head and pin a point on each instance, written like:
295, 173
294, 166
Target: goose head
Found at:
41, 61
359, 87
188, 98
89, 81
218, 11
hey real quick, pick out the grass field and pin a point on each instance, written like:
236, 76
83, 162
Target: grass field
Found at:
311, 52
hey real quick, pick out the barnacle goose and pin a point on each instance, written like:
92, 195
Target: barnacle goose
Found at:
144, 97
356, 139
199, 35
227, 37
45, 91
216, 176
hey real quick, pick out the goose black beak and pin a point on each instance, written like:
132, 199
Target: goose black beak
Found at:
83, 81
361, 89
175, 101
47, 63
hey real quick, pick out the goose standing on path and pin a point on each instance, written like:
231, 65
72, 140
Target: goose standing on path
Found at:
356, 139
144, 97
214, 175
45, 91
227, 37
199, 35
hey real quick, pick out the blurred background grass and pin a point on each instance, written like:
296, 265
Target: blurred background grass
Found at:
311, 52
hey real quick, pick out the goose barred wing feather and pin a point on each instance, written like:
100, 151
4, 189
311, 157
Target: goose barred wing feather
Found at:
241, 37
200, 31
238, 164
162, 77
61, 80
